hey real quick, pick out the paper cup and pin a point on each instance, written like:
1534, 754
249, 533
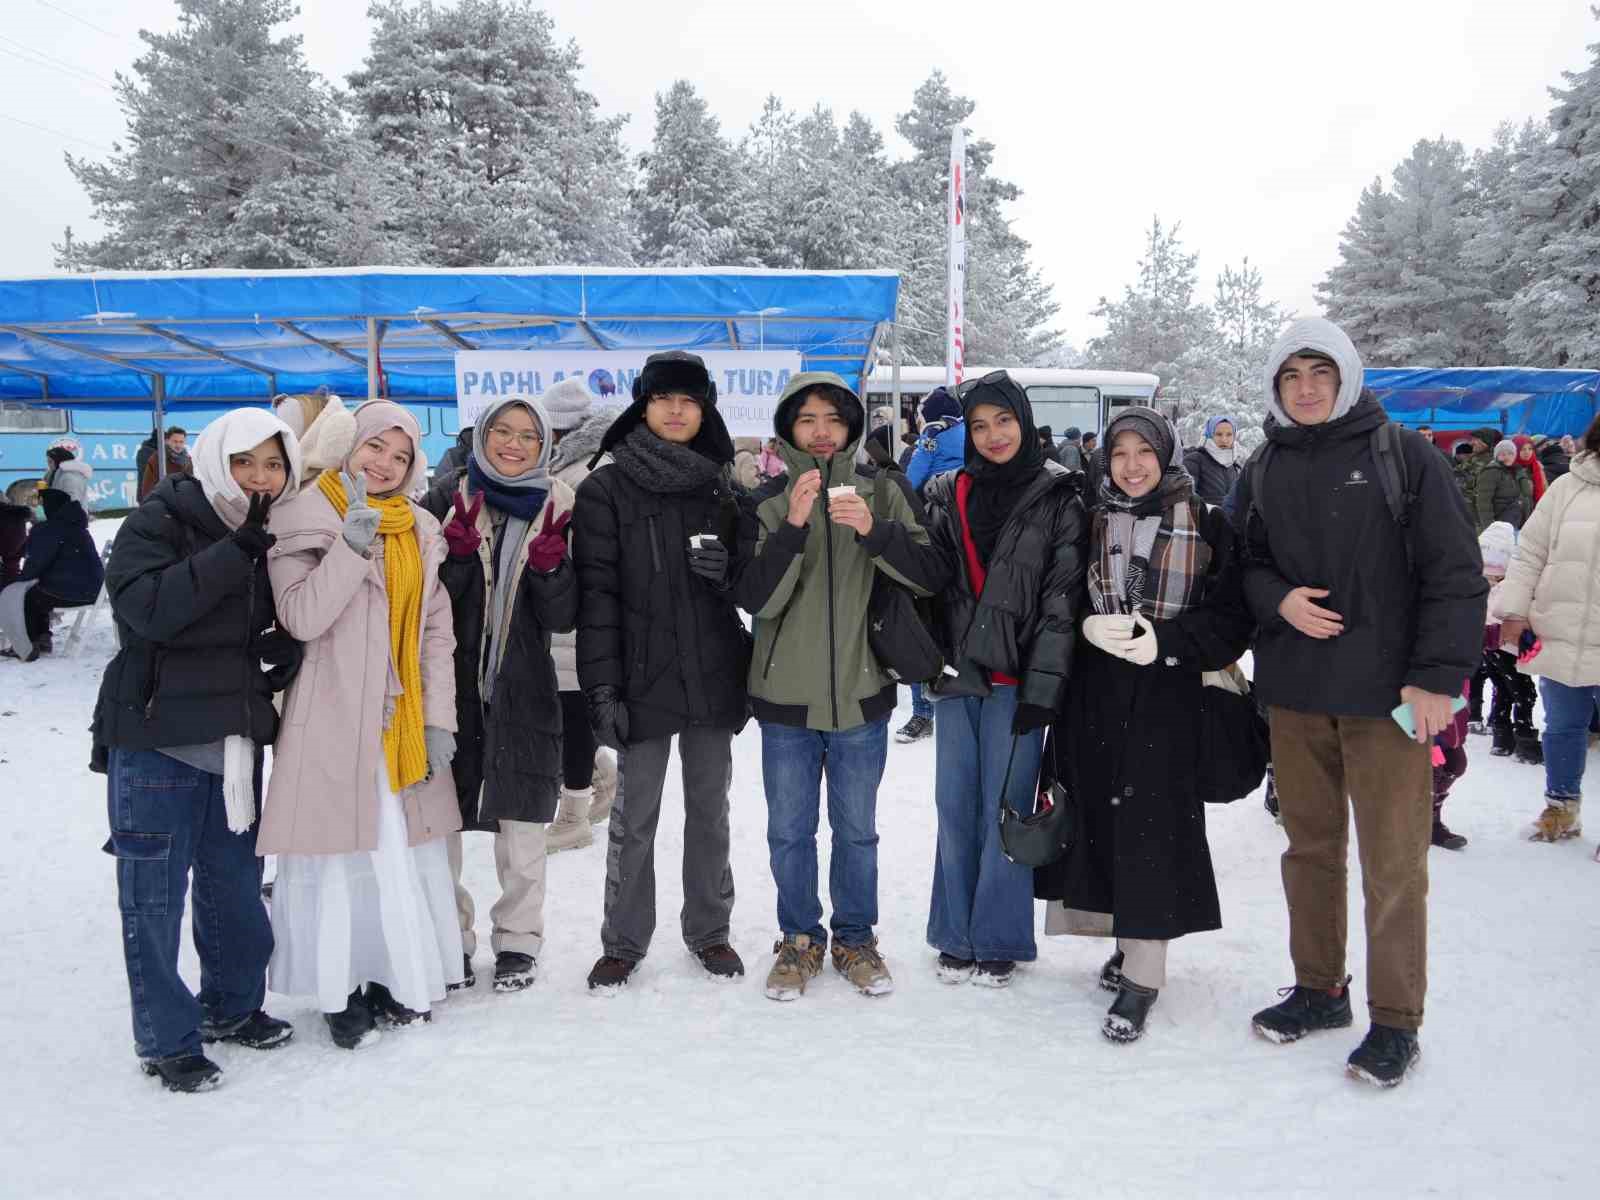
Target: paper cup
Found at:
844, 489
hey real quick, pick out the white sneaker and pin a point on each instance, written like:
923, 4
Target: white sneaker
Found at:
570, 830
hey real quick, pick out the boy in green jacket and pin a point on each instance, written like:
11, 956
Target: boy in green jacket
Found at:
811, 548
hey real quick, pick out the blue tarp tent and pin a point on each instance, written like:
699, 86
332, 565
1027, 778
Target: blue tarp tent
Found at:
1513, 399
204, 337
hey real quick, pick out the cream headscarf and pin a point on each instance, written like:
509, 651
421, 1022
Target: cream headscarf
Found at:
235, 431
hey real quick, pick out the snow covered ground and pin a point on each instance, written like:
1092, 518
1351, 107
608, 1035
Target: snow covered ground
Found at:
683, 1087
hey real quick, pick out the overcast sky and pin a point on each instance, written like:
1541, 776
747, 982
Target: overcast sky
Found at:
1256, 125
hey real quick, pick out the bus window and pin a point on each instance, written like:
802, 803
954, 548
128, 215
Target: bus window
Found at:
24, 418
1065, 407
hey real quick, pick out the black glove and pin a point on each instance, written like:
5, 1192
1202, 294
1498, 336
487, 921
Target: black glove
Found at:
281, 653
710, 561
252, 537
609, 716
1029, 717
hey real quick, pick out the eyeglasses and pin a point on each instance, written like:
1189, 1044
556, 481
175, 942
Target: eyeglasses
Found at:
528, 440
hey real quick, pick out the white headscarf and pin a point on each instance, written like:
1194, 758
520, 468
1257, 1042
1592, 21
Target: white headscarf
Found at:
235, 431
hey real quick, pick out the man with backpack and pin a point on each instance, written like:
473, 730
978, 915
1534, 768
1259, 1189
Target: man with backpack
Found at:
1363, 572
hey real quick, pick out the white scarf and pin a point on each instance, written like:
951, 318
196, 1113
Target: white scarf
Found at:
1224, 458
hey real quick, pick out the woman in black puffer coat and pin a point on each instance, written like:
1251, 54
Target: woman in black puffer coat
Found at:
1005, 561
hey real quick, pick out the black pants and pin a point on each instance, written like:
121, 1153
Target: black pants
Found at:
37, 606
1514, 693
577, 742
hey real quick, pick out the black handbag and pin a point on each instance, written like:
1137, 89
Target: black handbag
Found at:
1235, 745
898, 622
1041, 837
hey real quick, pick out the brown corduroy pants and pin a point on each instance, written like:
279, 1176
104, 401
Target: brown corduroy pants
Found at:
1325, 767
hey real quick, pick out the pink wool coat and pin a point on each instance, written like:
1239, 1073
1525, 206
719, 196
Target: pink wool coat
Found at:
323, 794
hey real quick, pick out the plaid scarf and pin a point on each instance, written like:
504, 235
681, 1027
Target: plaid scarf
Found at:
1154, 565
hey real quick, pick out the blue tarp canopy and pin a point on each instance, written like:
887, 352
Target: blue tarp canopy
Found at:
1513, 399
197, 337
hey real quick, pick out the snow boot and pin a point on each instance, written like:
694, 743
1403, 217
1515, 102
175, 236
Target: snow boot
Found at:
864, 967
570, 830
468, 978
610, 975
914, 730
721, 961
354, 1027
258, 1031
605, 785
799, 960
954, 970
1529, 749
1125, 1020
388, 1011
1505, 741
1384, 1056
1560, 820
184, 1072
1111, 973
514, 971
1444, 837
994, 973
1304, 1010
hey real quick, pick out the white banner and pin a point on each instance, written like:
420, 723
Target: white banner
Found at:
749, 382
956, 287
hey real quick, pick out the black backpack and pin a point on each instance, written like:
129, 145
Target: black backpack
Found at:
1388, 451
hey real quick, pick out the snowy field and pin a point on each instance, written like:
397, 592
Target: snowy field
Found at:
684, 1087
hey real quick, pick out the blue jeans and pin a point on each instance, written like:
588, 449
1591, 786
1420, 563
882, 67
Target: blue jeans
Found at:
982, 905
1567, 713
166, 819
792, 764
921, 706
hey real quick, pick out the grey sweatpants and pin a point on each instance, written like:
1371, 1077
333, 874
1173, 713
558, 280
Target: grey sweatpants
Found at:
630, 903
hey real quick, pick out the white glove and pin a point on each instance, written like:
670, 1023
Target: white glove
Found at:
1130, 638
239, 782
360, 520
441, 745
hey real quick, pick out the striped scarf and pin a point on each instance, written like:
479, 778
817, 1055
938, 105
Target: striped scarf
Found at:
404, 749
1154, 565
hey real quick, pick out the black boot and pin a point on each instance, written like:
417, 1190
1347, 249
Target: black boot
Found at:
468, 978
1304, 1010
1505, 741
1111, 973
1384, 1056
514, 971
1125, 1020
184, 1072
354, 1027
258, 1031
1529, 749
389, 1011
1444, 837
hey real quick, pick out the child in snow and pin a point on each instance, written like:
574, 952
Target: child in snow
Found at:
1511, 712
361, 796
184, 710
1449, 765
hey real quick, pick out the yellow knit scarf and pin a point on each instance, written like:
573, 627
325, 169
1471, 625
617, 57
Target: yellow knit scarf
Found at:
404, 749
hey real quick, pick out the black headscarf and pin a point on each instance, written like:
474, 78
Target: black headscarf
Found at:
996, 487
1159, 433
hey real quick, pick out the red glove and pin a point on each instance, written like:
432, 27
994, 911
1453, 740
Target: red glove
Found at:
547, 550
461, 531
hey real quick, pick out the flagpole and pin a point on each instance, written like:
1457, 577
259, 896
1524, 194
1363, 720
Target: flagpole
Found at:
955, 289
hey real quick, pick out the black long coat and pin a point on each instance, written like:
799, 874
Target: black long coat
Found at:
1130, 760
508, 753
189, 606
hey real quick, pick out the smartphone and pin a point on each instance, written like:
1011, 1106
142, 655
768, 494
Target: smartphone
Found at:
1407, 720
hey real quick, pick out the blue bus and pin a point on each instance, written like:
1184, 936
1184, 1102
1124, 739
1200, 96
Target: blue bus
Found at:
108, 440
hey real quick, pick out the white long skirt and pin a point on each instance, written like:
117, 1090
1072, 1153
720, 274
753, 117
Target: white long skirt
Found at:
384, 916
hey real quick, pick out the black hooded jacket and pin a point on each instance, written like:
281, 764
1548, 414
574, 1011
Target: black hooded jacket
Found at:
1322, 521
189, 606
670, 643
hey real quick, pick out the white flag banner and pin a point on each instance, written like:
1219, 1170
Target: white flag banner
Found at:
749, 382
956, 288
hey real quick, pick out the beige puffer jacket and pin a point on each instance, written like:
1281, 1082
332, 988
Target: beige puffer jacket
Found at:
1554, 580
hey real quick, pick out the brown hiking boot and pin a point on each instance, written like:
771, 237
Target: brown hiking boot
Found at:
1559, 821
721, 961
799, 959
864, 967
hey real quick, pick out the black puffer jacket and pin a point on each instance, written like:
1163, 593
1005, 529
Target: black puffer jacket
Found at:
1322, 522
670, 643
1024, 624
508, 753
1212, 480
189, 604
